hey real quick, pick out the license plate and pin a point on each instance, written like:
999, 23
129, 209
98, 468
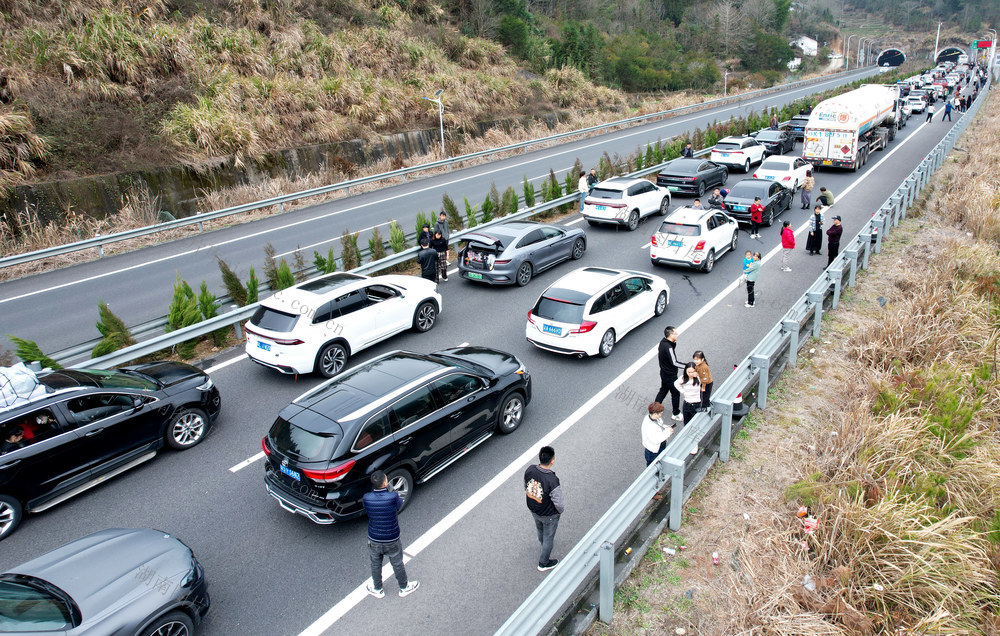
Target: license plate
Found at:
725, 154
474, 276
675, 243
827, 162
740, 207
601, 207
294, 474
552, 329
769, 178
673, 188
266, 346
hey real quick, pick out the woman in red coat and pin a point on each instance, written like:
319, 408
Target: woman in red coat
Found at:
787, 245
756, 217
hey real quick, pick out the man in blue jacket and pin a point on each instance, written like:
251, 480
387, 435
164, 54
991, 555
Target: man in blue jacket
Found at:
382, 507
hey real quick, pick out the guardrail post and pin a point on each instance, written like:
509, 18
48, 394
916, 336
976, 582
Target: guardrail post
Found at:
607, 584
675, 468
852, 256
911, 189
792, 327
237, 326
450, 164
866, 248
897, 203
816, 298
761, 363
725, 409
100, 248
200, 227
879, 231
281, 208
835, 276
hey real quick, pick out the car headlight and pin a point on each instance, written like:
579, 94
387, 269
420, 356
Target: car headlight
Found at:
521, 370
206, 386
193, 576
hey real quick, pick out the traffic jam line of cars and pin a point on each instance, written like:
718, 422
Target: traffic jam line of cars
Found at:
409, 414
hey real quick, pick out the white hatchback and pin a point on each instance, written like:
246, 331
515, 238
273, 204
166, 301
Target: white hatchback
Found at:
625, 201
788, 171
692, 237
587, 311
317, 325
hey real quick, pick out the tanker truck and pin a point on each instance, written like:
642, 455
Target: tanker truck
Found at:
843, 130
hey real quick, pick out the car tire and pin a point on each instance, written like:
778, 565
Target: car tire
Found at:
511, 413
701, 188
709, 262
401, 482
331, 360
736, 238
171, 624
425, 317
579, 247
11, 514
770, 218
665, 206
524, 273
633, 221
725, 177
607, 343
187, 428
661, 304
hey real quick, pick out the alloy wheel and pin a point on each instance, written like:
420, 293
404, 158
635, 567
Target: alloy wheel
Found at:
7, 517
172, 628
426, 316
333, 360
188, 429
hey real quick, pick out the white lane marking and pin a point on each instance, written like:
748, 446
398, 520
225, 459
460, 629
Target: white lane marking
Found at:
246, 462
646, 246
575, 221
331, 240
669, 122
464, 344
223, 365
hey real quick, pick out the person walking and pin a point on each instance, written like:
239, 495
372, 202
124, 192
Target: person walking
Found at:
807, 187
689, 387
428, 260
688, 152
583, 188
440, 245
787, 245
669, 366
947, 110
655, 432
833, 240
705, 376
591, 179
930, 113
544, 497
716, 202
753, 271
382, 507
825, 197
814, 244
756, 217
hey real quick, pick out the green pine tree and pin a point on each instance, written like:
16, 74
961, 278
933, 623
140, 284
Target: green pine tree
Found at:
115, 334
237, 292
29, 352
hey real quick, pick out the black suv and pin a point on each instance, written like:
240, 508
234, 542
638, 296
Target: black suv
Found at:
408, 414
80, 427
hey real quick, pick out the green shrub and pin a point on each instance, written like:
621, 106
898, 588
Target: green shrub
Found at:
421, 220
237, 292
376, 245
350, 255
208, 306
529, 193
115, 334
183, 312
253, 288
270, 266
470, 214
451, 210
285, 277
325, 264
28, 352
397, 238
487, 210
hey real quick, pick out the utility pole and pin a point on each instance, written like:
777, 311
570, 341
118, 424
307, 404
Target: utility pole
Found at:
936, 41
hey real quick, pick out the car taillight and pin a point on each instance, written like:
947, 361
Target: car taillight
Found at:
787, 179
652, 240
281, 341
501, 262
530, 319
690, 178
263, 444
585, 327
754, 175
329, 475
700, 246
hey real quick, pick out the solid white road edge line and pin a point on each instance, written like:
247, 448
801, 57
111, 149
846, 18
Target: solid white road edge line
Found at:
223, 365
669, 122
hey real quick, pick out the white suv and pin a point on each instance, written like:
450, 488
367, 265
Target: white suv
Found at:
739, 152
587, 311
691, 237
317, 325
625, 201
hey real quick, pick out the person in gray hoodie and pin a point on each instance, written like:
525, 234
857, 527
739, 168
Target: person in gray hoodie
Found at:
442, 227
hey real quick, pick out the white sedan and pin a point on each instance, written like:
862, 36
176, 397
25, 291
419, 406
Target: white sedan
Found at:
788, 171
916, 104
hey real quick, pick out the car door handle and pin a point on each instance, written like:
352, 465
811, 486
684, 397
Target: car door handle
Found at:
93, 432
10, 464
405, 440
455, 416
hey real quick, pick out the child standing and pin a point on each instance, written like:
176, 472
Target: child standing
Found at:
747, 261
704, 376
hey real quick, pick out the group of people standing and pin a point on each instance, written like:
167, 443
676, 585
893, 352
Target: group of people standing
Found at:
433, 253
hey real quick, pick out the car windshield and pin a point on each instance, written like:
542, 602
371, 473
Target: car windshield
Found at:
24, 608
775, 164
551, 308
726, 145
744, 190
120, 380
605, 193
298, 442
274, 320
680, 229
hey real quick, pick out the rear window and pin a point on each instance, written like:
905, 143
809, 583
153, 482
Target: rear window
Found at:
558, 310
769, 136
745, 190
726, 146
680, 229
289, 439
775, 164
273, 320
605, 193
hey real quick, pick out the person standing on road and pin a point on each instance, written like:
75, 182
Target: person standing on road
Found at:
440, 245
655, 432
833, 240
591, 179
930, 113
807, 187
382, 507
947, 110
689, 387
428, 260
716, 201
669, 366
583, 188
705, 376
787, 245
753, 271
544, 497
688, 152
814, 244
756, 217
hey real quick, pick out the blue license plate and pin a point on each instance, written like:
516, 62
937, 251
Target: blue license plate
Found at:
552, 329
740, 207
266, 346
725, 154
601, 207
294, 474
675, 243
769, 178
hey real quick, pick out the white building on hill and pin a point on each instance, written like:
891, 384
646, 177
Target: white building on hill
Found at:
806, 44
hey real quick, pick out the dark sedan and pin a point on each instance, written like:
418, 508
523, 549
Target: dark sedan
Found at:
117, 581
410, 415
775, 199
511, 253
692, 176
777, 142
82, 427
797, 127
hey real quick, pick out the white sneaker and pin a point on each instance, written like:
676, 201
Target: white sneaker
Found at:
679, 417
373, 591
410, 588
747, 305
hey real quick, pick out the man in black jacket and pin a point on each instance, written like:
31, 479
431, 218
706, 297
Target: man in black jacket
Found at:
688, 152
669, 367
543, 494
382, 507
833, 240
428, 259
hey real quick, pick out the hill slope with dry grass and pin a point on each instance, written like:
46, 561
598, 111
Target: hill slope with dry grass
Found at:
97, 86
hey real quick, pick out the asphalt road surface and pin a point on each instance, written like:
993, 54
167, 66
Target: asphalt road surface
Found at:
58, 309
470, 541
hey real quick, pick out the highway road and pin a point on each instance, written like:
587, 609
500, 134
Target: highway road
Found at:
469, 539
138, 285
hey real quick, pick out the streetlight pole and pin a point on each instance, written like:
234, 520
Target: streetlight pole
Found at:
993, 49
725, 83
437, 100
847, 52
936, 41
861, 46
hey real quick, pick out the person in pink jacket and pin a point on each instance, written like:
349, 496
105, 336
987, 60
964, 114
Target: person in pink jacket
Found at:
787, 245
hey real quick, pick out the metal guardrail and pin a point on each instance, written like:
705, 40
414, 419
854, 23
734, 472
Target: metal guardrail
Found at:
99, 242
713, 430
